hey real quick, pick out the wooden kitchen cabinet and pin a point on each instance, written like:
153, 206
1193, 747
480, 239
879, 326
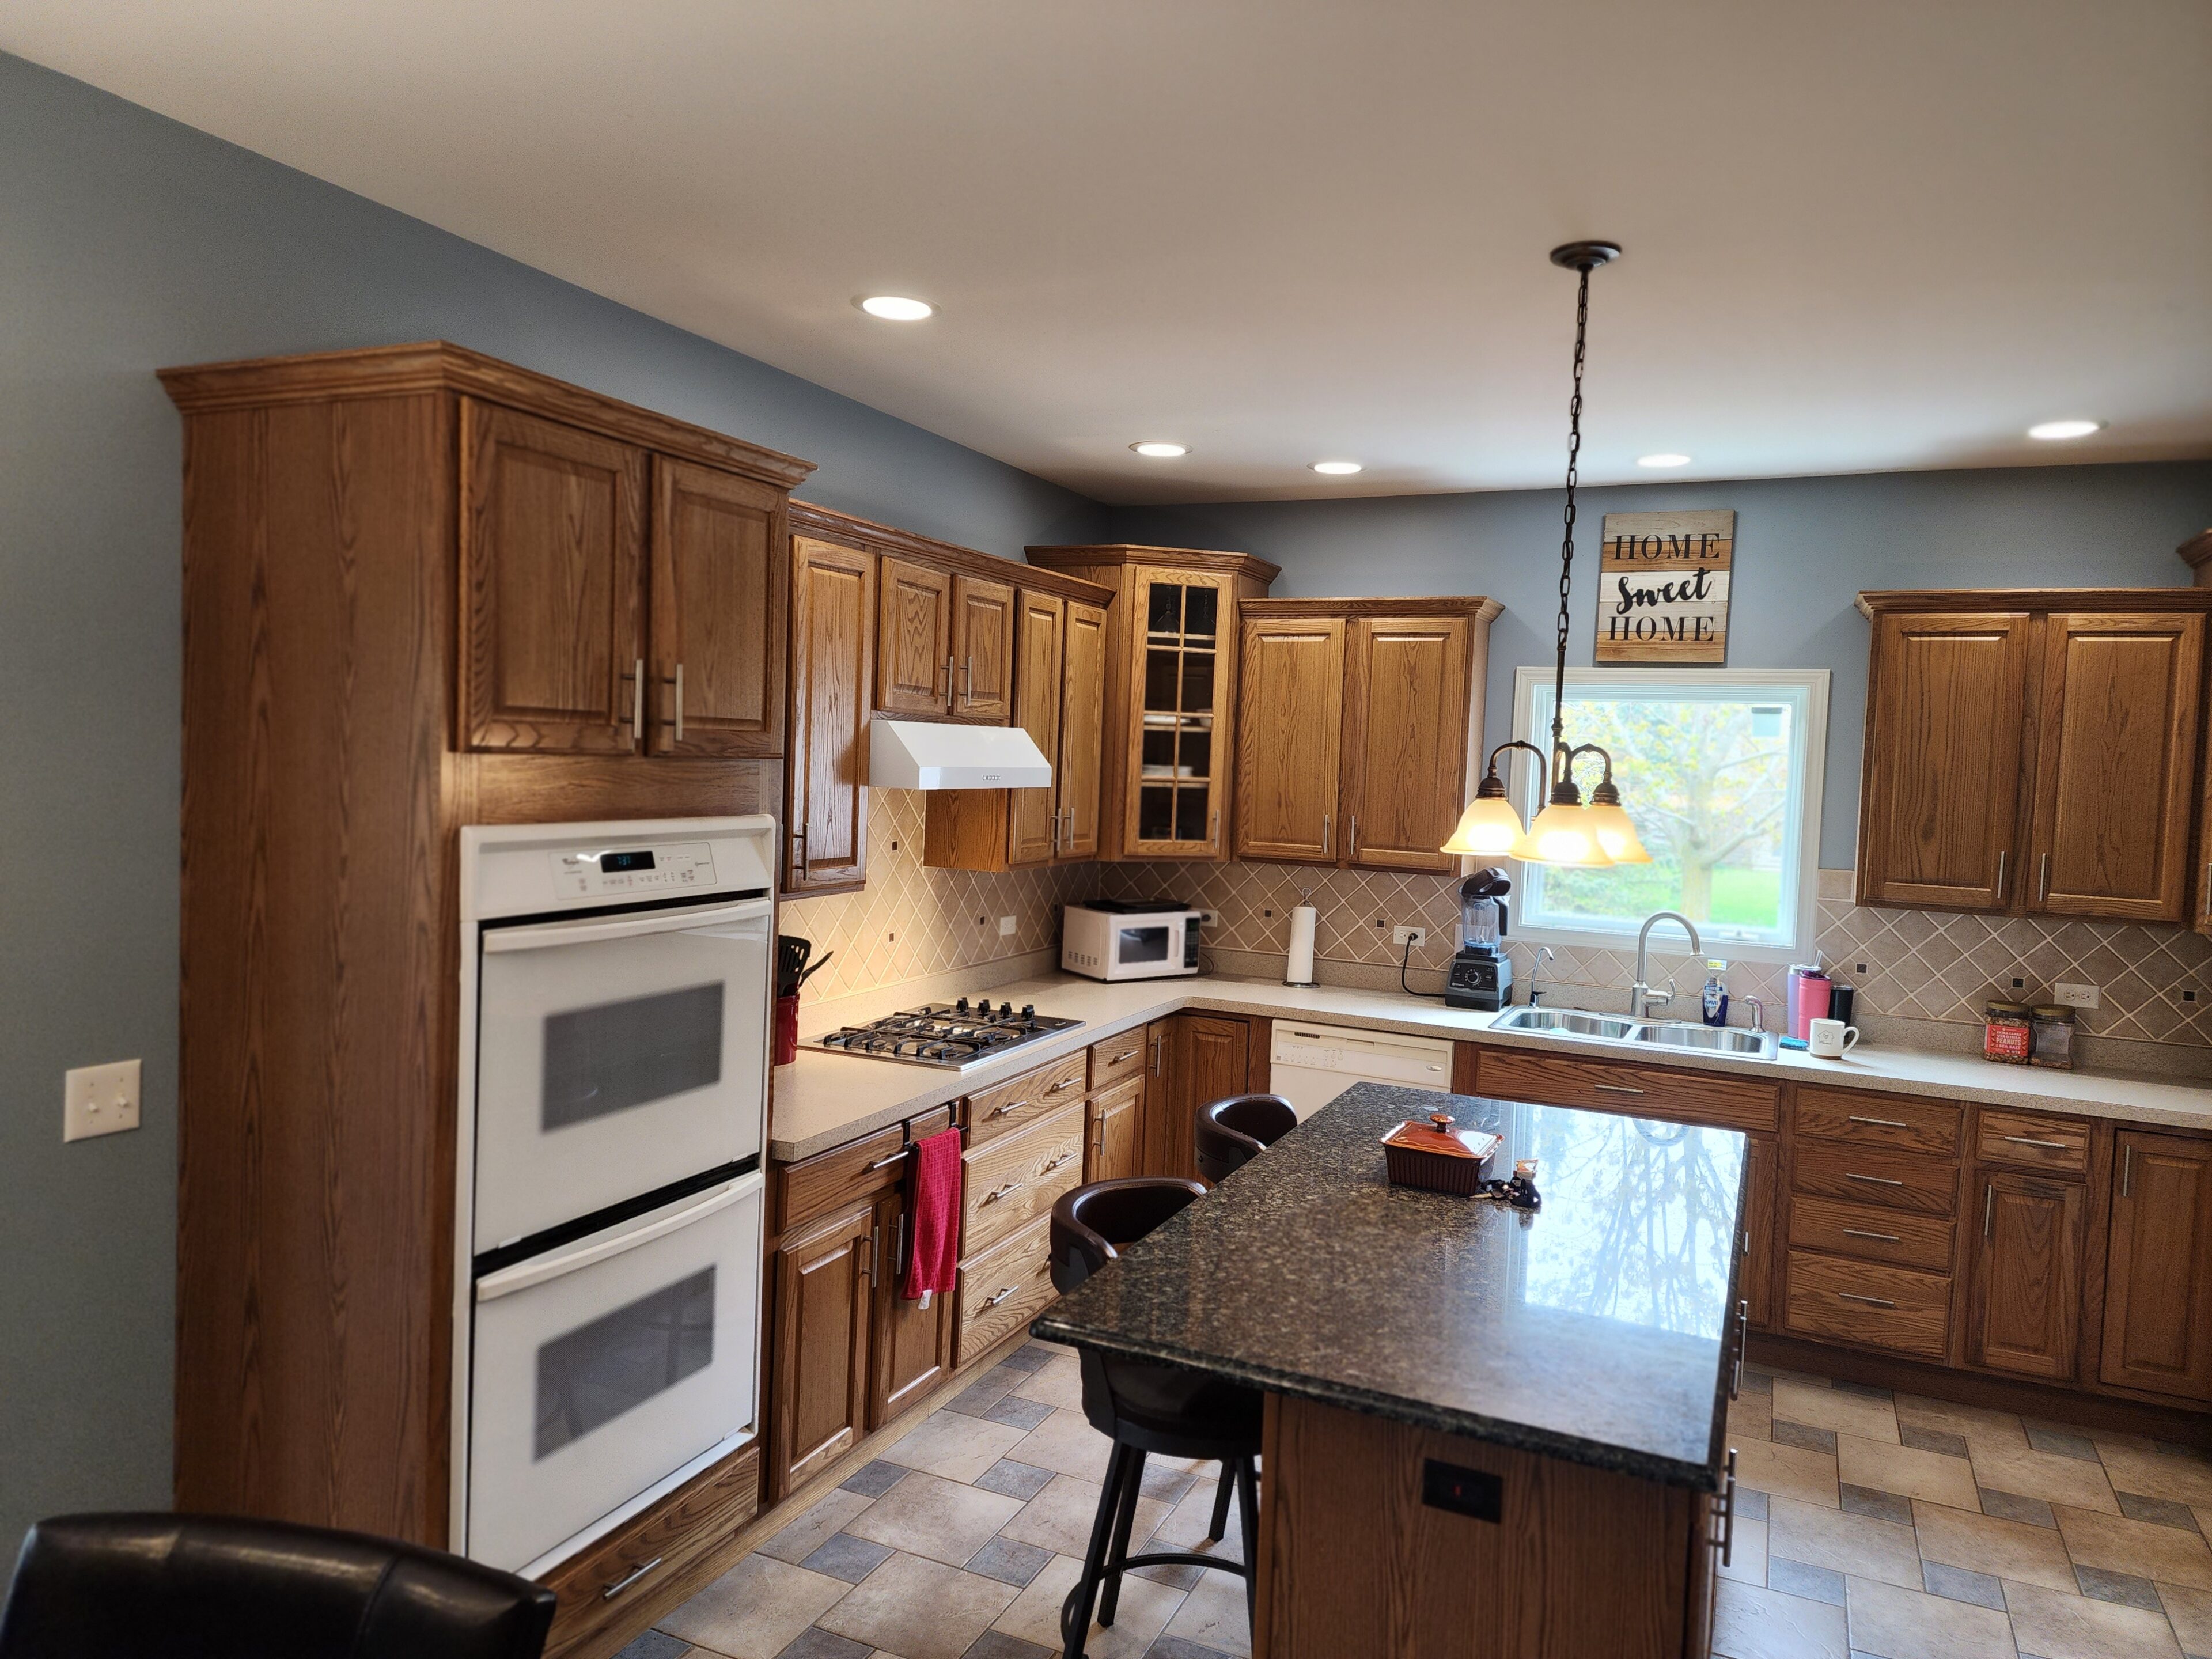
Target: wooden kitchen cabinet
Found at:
914, 640
2024, 1295
911, 1346
718, 608
825, 1314
2158, 1285
2033, 750
1195, 1058
1762, 1169
1033, 815
1082, 730
833, 616
984, 650
1354, 725
1115, 1147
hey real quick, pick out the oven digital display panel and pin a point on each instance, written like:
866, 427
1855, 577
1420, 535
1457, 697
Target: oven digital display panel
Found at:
642, 870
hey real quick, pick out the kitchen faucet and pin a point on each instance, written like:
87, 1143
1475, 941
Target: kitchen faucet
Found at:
1543, 956
1641, 996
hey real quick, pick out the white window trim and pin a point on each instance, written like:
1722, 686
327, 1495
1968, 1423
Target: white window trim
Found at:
1523, 783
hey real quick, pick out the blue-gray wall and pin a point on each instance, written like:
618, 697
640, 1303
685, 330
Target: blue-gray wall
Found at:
1804, 548
128, 242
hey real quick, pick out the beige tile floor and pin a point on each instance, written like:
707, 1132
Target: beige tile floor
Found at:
1871, 1526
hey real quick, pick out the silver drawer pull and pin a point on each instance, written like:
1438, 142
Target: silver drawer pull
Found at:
1065, 1083
1860, 1232
898, 1157
1002, 1109
993, 1300
2030, 1140
1878, 1122
1871, 1301
629, 1578
1055, 1163
1126, 1053
1728, 1510
993, 1197
1616, 1089
1872, 1181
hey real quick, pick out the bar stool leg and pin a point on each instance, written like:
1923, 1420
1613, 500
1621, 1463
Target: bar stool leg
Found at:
1075, 1612
1222, 1493
1132, 1485
1248, 1518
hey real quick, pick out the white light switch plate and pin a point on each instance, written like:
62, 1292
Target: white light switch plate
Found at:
100, 1100
2075, 996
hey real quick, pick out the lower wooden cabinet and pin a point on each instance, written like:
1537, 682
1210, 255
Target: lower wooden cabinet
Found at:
912, 1346
2024, 1298
1869, 1306
1196, 1058
2158, 1283
1004, 1288
1115, 1147
825, 1319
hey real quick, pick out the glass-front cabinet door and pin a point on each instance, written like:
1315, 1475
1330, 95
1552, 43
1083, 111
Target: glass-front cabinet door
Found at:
1179, 774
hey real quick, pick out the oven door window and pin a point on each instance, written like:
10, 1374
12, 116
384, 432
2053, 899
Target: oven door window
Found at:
594, 1374
614, 1056
1133, 947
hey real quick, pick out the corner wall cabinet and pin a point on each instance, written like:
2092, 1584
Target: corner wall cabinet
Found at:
419, 586
2033, 751
1354, 719
1171, 692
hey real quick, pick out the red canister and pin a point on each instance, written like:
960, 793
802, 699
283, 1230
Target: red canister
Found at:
1809, 986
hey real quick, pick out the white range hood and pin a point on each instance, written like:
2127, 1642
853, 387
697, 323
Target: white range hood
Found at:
934, 754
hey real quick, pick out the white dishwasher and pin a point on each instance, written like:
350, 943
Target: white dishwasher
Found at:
1311, 1065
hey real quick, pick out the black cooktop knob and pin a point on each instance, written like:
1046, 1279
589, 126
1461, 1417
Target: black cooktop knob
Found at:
961, 1006
1029, 1010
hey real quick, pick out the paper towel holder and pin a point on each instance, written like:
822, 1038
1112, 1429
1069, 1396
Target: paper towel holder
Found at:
1303, 919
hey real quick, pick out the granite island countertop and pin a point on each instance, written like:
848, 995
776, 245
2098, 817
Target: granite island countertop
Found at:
823, 1100
1594, 1330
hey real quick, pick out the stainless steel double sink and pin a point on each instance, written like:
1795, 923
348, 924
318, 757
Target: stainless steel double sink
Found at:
1647, 1034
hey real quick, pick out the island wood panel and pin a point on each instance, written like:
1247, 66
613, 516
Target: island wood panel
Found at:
320, 933
914, 640
1289, 730
1944, 758
984, 650
1077, 775
2024, 1296
1762, 1174
1581, 1562
2115, 779
1677, 1096
824, 1317
833, 632
552, 553
1033, 819
719, 606
2158, 1301
1406, 715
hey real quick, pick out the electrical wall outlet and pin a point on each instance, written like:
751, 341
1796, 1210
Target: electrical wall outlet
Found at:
100, 1100
1006, 926
2075, 996
1405, 935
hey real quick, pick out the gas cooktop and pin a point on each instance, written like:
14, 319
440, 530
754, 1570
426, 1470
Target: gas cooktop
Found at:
948, 1036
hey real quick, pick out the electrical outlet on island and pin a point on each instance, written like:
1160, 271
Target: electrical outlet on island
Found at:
2075, 996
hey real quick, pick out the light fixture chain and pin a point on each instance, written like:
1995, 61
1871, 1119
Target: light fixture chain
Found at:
1567, 541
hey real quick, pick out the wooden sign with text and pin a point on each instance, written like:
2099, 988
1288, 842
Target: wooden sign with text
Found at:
1663, 592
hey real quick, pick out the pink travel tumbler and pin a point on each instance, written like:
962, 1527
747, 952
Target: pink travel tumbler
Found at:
1808, 999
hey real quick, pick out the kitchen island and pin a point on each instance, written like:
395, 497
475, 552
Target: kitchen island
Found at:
1488, 1432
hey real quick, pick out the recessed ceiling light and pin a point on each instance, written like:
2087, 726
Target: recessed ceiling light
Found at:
1160, 450
2055, 430
1336, 468
897, 308
1662, 460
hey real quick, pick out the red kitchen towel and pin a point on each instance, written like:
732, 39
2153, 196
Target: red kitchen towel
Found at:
933, 1200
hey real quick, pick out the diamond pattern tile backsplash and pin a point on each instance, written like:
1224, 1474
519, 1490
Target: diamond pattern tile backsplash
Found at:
2154, 983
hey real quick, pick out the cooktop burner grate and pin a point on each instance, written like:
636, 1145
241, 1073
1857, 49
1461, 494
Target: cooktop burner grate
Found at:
948, 1036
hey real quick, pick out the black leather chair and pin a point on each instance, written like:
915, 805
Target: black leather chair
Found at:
1146, 1409
207, 1587
1232, 1132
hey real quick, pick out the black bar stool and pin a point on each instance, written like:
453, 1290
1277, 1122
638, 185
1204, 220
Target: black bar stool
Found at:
1232, 1132
1148, 1410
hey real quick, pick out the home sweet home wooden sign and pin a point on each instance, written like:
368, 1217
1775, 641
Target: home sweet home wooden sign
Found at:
1663, 586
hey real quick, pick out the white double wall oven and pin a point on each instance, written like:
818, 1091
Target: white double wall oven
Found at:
616, 987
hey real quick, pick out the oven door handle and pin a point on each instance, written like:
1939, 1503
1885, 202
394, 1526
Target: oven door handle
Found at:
524, 1275
538, 936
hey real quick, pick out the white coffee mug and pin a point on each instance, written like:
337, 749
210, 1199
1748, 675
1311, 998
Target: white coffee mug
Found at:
1828, 1038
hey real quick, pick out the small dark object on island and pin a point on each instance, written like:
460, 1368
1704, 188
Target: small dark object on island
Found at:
1437, 1157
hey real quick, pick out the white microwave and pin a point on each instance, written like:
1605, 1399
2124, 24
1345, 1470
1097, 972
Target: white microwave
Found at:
1129, 938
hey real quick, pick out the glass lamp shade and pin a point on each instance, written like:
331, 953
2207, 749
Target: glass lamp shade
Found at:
1490, 828
1564, 835
1616, 833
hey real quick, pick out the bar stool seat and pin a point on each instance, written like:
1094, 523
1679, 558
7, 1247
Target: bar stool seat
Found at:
1232, 1132
1147, 1410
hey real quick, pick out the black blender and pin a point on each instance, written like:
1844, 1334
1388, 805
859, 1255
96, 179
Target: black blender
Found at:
1481, 975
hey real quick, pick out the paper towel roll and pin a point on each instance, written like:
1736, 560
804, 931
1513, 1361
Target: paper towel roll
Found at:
1300, 969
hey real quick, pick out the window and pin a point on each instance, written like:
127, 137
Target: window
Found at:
1720, 770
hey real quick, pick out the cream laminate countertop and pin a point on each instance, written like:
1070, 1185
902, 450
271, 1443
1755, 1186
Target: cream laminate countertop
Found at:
823, 1100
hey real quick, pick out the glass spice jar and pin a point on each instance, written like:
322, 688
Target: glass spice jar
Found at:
2007, 1033
2052, 1032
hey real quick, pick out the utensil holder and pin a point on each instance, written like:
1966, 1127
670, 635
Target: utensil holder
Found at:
786, 1029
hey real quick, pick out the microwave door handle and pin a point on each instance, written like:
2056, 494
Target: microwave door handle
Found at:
540, 935
523, 1275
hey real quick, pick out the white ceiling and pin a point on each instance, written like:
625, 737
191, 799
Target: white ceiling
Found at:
1887, 234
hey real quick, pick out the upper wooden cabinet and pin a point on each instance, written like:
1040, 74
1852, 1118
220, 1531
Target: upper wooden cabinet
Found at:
914, 640
719, 604
1170, 693
1082, 730
833, 618
1353, 722
1034, 814
2033, 750
984, 650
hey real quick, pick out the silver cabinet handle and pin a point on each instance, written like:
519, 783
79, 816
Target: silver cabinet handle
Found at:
636, 678
898, 1157
1126, 1053
2043, 882
1065, 1083
968, 679
680, 702
628, 1579
1351, 838
2127, 1169
1616, 1089
2208, 891
1989, 1208
1873, 1181
805, 863
994, 1197
993, 1300
875, 1251
1003, 1107
2030, 1140
1860, 1232
1871, 1301
1328, 837
2002, 855
1878, 1122
1055, 1163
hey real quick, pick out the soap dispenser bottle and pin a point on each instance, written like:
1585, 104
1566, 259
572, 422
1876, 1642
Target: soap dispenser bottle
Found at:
1715, 1002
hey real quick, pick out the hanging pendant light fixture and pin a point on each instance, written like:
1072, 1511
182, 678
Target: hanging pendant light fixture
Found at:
1565, 832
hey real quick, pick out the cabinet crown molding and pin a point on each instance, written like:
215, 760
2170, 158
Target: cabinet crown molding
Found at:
397, 371
849, 530
2196, 553
1188, 558
1475, 606
1876, 601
